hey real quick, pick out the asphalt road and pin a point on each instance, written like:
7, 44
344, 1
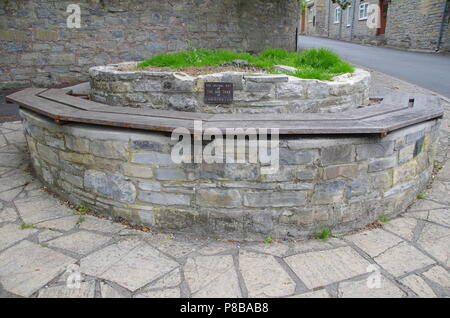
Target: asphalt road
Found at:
431, 71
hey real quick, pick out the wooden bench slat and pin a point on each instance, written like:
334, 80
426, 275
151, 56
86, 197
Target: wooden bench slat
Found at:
393, 113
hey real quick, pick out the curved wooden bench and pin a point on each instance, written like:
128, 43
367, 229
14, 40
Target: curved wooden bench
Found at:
396, 110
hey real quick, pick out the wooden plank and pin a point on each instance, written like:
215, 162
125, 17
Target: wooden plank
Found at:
383, 118
61, 97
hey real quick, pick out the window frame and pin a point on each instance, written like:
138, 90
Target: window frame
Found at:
363, 7
336, 10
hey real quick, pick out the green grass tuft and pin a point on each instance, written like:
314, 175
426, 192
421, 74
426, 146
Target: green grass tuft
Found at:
422, 195
319, 64
25, 226
81, 210
268, 240
81, 220
384, 219
324, 234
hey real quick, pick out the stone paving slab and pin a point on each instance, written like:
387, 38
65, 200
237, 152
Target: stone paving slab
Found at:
27, 267
264, 276
212, 276
411, 251
403, 259
131, 264
317, 269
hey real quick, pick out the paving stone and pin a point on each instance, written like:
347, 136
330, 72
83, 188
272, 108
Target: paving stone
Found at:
48, 235
403, 227
212, 276
277, 249
10, 194
425, 205
361, 289
216, 248
130, 263
441, 216
109, 292
439, 192
39, 209
264, 276
172, 279
436, 241
12, 233
402, 259
15, 137
101, 225
8, 215
166, 293
315, 245
173, 247
321, 293
81, 242
374, 242
418, 286
62, 224
27, 267
13, 181
86, 290
13, 160
438, 275
322, 268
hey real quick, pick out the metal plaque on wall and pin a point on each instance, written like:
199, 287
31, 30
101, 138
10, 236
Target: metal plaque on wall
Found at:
218, 93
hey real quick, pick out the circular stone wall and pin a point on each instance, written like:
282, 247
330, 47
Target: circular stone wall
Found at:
340, 182
253, 93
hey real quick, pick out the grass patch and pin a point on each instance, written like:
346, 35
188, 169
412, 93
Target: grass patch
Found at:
81, 220
384, 219
81, 210
324, 234
319, 64
25, 226
422, 195
268, 240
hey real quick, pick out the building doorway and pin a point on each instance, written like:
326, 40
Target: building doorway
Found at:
384, 6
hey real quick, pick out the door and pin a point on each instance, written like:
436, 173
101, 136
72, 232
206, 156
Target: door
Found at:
383, 17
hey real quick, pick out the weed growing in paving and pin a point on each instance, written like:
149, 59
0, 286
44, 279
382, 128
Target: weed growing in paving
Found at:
311, 63
384, 219
25, 226
268, 240
81, 220
422, 195
324, 234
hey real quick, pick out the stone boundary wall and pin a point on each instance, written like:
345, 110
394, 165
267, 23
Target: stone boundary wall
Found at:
415, 24
253, 93
37, 47
341, 182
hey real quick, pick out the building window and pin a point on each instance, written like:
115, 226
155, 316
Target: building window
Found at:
337, 15
363, 11
349, 15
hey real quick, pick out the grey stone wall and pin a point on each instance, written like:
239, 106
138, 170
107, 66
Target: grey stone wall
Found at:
415, 24
253, 93
411, 24
340, 182
36, 47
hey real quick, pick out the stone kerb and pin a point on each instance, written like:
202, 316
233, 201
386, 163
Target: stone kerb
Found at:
253, 92
341, 182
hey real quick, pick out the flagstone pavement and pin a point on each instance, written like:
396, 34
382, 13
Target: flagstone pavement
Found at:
61, 257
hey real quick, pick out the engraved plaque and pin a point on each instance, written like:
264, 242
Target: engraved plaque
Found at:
218, 93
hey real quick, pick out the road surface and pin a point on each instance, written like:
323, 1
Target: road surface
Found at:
429, 70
